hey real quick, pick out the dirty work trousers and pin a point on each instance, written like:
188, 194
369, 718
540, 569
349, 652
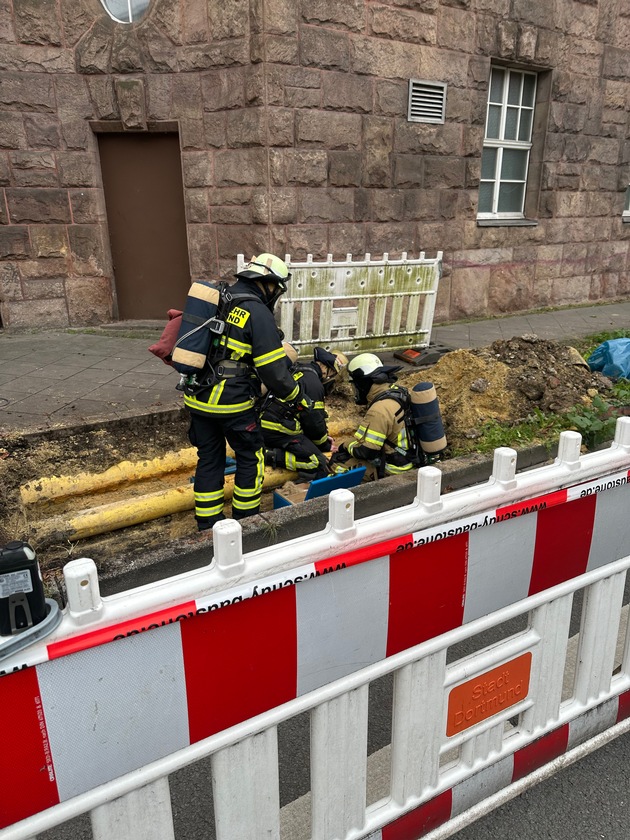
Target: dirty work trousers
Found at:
209, 434
296, 453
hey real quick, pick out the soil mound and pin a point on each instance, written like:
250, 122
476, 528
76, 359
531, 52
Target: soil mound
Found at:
503, 382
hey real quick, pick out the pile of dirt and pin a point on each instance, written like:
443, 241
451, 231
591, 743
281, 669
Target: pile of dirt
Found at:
504, 382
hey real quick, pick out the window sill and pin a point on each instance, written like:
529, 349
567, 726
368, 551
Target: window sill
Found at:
625, 220
508, 222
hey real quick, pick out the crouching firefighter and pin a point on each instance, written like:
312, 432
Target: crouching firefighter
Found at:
387, 439
228, 343
297, 440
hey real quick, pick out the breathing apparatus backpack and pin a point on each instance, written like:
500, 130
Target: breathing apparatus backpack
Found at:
420, 412
200, 352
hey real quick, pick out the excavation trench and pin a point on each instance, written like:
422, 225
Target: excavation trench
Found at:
119, 489
70, 508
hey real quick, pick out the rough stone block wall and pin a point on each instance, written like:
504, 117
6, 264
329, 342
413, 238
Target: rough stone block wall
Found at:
295, 139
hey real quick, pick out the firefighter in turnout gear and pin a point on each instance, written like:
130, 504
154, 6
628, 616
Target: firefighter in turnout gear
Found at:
297, 440
246, 349
381, 440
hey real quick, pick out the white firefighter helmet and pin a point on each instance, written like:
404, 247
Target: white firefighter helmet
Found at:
265, 267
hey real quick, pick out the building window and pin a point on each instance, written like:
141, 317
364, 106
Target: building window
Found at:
626, 206
507, 144
125, 11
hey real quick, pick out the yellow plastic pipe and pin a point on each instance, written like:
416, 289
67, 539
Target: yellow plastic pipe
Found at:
126, 472
58, 487
128, 512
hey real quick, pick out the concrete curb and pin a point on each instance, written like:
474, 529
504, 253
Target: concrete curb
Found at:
156, 418
287, 523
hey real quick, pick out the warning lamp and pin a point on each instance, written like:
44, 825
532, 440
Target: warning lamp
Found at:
22, 600
26, 615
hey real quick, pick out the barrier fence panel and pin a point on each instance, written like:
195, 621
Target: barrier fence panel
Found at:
132, 687
359, 304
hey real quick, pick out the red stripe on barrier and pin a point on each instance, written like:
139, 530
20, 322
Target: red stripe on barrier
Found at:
623, 711
563, 542
239, 662
426, 592
369, 552
27, 774
541, 752
131, 627
421, 820
532, 505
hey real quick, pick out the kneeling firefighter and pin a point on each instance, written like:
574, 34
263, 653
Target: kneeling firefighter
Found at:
297, 440
388, 439
228, 343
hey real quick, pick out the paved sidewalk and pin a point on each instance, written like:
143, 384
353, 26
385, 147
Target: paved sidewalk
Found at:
52, 380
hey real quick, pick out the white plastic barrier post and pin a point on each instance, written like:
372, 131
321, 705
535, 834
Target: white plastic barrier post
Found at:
339, 753
246, 789
136, 816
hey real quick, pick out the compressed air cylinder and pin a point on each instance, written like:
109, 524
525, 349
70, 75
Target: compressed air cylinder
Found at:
195, 335
428, 419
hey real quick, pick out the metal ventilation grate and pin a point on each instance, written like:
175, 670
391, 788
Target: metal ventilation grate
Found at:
427, 101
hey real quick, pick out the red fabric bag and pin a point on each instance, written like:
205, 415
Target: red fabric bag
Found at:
163, 347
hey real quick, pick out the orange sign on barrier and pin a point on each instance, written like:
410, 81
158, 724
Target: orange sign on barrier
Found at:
489, 693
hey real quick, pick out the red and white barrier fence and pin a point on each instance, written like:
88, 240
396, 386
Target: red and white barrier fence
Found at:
131, 686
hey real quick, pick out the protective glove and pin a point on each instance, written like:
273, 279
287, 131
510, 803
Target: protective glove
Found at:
341, 456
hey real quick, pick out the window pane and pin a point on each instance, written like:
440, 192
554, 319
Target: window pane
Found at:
513, 165
529, 87
494, 122
489, 164
118, 9
139, 7
511, 120
511, 198
525, 127
514, 89
626, 206
496, 85
486, 191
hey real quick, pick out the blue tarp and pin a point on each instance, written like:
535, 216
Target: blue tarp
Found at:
612, 358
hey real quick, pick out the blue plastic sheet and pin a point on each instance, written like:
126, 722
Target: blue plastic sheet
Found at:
612, 358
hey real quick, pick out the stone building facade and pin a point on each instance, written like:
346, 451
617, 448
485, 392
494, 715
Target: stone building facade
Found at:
294, 137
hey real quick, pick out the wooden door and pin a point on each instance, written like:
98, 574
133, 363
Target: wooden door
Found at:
144, 197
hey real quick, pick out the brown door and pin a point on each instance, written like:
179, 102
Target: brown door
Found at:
144, 196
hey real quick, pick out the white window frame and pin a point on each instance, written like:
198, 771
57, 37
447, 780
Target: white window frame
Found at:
501, 144
131, 17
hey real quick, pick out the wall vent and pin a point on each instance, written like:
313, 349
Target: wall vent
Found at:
427, 101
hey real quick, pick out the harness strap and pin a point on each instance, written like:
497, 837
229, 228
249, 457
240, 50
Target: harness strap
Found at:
228, 368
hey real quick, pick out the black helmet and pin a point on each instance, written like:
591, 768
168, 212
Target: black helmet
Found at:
333, 361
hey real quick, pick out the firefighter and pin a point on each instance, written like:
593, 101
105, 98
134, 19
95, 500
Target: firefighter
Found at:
380, 441
297, 440
222, 407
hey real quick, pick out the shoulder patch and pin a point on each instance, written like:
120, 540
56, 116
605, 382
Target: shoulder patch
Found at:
238, 316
